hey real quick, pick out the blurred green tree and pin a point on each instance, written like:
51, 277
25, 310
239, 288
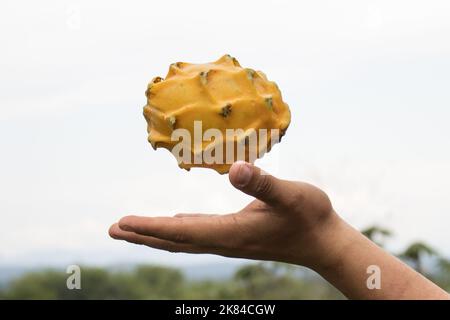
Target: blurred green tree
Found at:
46, 284
416, 252
145, 282
377, 234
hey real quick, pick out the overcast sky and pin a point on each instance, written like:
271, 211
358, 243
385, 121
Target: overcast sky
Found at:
367, 83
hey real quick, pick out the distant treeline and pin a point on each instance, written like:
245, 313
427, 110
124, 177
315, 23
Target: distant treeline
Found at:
254, 281
264, 280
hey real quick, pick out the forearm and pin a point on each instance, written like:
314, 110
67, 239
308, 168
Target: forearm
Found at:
346, 257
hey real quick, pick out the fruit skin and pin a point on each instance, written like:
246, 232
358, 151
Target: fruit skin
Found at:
222, 95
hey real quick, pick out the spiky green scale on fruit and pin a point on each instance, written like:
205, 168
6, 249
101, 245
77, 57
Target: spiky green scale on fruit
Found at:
269, 102
204, 77
250, 73
173, 69
172, 120
157, 79
149, 92
233, 60
226, 110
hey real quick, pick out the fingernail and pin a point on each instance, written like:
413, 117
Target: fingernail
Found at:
244, 174
125, 227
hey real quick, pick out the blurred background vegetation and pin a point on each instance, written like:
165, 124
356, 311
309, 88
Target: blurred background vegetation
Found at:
262, 280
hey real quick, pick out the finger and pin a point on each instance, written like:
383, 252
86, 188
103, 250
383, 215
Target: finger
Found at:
183, 215
273, 191
218, 231
116, 233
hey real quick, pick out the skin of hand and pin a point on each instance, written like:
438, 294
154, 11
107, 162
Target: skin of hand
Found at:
288, 221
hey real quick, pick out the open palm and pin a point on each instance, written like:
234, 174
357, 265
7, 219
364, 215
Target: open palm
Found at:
283, 215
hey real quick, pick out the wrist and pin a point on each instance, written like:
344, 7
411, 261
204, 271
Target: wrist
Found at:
329, 242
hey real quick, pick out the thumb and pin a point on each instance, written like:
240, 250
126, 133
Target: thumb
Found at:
253, 181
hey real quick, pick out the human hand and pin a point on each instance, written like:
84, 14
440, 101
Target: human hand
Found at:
291, 222
288, 221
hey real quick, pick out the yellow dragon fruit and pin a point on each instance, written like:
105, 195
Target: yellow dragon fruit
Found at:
204, 113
